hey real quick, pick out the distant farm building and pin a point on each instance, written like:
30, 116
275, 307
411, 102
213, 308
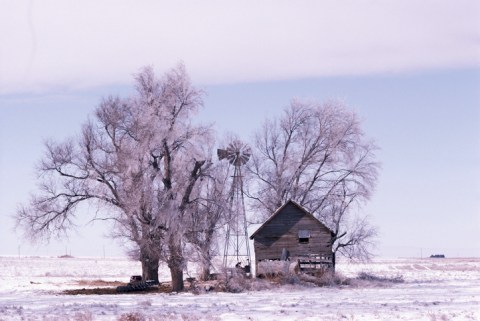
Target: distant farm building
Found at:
293, 234
438, 256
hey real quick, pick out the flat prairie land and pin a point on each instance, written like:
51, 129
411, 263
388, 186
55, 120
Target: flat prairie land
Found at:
37, 288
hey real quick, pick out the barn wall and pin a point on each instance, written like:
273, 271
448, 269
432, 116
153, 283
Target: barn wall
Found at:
282, 232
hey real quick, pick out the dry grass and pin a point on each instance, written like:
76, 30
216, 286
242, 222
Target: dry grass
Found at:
136, 316
165, 287
369, 280
371, 277
234, 281
79, 316
99, 283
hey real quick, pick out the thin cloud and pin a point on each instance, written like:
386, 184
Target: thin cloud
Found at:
72, 44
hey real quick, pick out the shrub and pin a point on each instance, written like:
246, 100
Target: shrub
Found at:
235, 281
132, 317
270, 269
326, 278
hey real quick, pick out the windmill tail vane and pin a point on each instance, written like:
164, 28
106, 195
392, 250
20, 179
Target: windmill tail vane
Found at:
222, 154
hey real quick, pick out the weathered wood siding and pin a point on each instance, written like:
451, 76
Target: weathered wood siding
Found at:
282, 232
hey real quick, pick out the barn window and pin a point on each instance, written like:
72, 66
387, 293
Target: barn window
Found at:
303, 236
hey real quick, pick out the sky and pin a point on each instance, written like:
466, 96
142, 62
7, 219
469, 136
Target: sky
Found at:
410, 69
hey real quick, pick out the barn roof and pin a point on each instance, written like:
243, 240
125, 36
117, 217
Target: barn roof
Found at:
280, 209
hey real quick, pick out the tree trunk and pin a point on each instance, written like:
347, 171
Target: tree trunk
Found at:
204, 274
175, 263
177, 278
205, 257
150, 268
333, 262
150, 264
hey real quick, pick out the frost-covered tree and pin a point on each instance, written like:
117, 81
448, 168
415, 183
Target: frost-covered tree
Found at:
207, 216
317, 155
138, 160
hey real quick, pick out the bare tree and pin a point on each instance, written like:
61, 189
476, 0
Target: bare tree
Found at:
139, 161
317, 155
353, 235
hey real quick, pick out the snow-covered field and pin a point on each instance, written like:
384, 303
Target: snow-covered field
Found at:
433, 289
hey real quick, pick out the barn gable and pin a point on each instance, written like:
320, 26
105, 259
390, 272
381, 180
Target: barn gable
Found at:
295, 211
293, 230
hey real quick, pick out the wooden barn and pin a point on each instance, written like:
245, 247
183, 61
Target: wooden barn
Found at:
293, 234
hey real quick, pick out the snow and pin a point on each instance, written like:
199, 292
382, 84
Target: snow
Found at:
433, 289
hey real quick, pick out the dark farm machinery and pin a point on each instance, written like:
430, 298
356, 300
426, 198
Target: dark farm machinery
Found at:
136, 284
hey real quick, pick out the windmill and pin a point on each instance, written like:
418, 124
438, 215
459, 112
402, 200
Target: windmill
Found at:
237, 249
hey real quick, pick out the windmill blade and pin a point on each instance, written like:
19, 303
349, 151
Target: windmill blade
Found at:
245, 154
235, 146
244, 158
232, 157
237, 153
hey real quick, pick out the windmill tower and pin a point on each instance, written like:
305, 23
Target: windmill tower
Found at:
237, 249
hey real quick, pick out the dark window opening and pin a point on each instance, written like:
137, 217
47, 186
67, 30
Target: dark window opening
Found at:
303, 240
303, 236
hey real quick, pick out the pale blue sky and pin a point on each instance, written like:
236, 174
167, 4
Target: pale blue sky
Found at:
416, 86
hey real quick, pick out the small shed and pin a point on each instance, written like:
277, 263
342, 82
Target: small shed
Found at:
292, 233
